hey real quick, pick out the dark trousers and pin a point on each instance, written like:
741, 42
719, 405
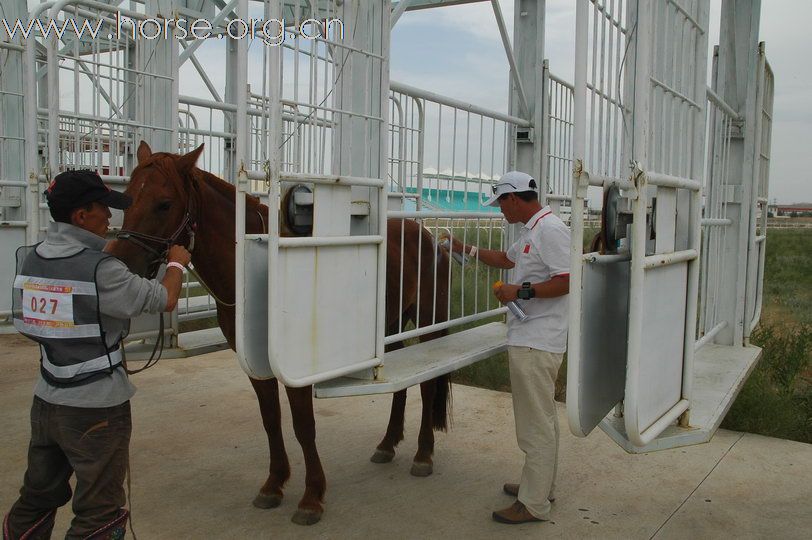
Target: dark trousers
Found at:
94, 445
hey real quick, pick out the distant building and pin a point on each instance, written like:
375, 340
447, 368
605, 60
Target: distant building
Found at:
789, 209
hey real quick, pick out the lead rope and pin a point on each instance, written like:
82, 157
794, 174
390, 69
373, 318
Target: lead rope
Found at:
157, 350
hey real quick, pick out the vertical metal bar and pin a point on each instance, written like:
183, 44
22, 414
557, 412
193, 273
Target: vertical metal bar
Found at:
579, 188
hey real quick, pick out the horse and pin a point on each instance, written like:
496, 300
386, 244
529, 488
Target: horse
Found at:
176, 202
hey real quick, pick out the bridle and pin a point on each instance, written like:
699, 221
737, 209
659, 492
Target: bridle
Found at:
158, 247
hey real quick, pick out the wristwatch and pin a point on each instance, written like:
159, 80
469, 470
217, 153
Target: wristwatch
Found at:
526, 292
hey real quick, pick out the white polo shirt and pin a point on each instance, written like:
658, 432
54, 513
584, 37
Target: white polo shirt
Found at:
541, 253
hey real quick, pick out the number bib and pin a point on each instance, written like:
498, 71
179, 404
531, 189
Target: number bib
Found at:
48, 305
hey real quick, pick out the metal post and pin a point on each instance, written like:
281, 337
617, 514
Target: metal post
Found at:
528, 47
737, 85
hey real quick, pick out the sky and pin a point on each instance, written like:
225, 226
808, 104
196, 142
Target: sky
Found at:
457, 51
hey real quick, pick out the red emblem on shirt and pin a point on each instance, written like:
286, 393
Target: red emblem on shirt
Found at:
527, 248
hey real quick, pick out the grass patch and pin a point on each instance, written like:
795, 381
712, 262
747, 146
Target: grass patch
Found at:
777, 398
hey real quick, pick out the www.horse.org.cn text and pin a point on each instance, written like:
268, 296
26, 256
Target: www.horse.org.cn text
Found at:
272, 32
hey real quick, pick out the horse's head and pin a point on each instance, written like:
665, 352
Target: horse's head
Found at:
163, 212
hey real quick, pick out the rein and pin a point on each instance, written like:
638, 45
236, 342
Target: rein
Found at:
188, 225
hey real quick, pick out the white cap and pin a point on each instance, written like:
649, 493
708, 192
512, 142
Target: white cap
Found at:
511, 182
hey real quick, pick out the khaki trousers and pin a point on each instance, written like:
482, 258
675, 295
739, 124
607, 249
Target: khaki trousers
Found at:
532, 379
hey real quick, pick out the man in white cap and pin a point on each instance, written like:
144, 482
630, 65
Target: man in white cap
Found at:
540, 259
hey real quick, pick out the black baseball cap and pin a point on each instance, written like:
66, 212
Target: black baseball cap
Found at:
74, 189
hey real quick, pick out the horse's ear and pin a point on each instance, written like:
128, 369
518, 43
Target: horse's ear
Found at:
144, 151
186, 162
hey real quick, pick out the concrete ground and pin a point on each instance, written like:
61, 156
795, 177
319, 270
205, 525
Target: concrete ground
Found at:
199, 455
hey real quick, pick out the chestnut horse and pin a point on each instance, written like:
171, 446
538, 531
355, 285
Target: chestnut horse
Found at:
174, 201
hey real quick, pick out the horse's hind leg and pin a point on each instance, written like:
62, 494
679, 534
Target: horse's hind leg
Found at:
304, 424
270, 495
435, 395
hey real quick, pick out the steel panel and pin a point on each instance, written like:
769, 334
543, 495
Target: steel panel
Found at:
602, 364
252, 352
328, 309
659, 377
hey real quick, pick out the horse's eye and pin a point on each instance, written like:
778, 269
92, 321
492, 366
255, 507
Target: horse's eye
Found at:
164, 206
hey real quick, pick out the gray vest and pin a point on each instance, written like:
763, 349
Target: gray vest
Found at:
56, 303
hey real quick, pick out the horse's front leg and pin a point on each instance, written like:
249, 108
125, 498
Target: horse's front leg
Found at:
385, 451
304, 424
270, 495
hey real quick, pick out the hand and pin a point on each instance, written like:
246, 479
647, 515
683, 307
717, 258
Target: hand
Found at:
505, 292
454, 244
179, 254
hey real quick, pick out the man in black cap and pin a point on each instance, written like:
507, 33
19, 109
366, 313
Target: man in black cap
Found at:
76, 301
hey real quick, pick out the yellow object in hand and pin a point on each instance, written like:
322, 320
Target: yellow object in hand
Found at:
497, 284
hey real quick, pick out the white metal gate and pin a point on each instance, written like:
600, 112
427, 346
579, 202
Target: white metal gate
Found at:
14, 196
640, 126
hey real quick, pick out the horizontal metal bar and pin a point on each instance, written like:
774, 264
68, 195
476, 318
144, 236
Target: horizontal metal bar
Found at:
554, 197
443, 325
149, 334
665, 259
457, 104
197, 315
678, 182
676, 93
708, 337
207, 103
101, 120
649, 434
714, 98
306, 105
324, 179
597, 258
12, 46
607, 97
329, 241
206, 133
326, 376
560, 81
14, 224
715, 222
687, 16
606, 181
13, 183
606, 15
404, 214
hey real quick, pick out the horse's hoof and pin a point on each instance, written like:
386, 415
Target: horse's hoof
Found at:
382, 456
306, 517
267, 501
422, 469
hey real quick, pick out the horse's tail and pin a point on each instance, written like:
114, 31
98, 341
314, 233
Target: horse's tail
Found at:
441, 411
